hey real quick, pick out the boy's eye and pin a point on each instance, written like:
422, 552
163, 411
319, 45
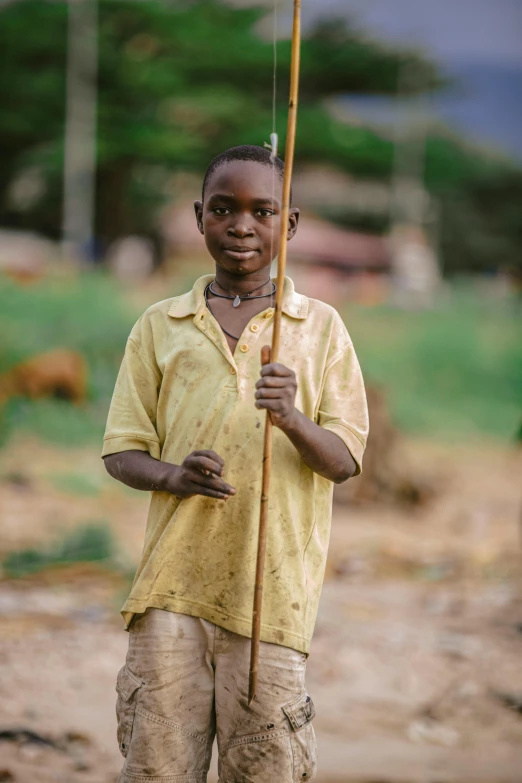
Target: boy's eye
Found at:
220, 211
265, 212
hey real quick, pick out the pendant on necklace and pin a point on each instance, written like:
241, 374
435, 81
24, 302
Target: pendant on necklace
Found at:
236, 302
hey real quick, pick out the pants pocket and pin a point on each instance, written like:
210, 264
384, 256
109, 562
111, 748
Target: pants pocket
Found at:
127, 687
162, 748
300, 714
257, 758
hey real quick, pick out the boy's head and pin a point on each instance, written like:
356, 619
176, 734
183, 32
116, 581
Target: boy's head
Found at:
245, 152
240, 211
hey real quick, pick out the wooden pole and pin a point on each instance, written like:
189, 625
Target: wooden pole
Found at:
272, 355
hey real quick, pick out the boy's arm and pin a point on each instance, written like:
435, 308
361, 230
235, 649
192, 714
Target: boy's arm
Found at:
322, 451
199, 474
132, 449
334, 446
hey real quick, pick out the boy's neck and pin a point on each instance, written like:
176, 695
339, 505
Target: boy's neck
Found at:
241, 284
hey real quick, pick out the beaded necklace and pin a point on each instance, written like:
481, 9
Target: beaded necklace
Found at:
237, 298
209, 288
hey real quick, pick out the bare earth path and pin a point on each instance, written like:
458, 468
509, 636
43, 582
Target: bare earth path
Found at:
418, 635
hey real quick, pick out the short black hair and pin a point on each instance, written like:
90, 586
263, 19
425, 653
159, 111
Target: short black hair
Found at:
243, 152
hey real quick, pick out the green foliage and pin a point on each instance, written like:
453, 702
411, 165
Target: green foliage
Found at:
79, 484
32, 89
91, 542
478, 200
340, 58
177, 84
477, 203
86, 314
481, 229
58, 421
180, 82
453, 371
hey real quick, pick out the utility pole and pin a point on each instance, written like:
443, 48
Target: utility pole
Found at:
408, 195
80, 130
415, 266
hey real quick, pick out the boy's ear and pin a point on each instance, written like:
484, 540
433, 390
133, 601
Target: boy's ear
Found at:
293, 220
198, 208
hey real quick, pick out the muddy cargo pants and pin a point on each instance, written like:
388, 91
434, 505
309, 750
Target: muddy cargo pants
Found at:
186, 680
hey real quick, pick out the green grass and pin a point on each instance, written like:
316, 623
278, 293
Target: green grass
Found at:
77, 484
55, 421
91, 542
453, 372
88, 314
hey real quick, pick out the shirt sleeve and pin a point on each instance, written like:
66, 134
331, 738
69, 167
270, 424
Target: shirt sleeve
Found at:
131, 423
343, 408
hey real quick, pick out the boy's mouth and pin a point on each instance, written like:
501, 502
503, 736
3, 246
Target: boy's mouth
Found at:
240, 253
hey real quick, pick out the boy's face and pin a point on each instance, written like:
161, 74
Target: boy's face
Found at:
240, 219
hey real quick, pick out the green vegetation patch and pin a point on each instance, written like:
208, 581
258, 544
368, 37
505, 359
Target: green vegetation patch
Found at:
80, 484
87, 314
91, 542
453, 371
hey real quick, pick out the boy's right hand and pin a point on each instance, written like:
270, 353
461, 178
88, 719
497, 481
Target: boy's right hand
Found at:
200, 474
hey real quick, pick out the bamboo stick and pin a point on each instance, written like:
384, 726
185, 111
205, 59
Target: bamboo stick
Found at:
272, 355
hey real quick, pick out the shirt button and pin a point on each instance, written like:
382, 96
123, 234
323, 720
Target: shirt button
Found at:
232, 371
254, 328
243, 348
269, 314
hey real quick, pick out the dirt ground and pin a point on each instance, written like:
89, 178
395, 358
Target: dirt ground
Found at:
416, 662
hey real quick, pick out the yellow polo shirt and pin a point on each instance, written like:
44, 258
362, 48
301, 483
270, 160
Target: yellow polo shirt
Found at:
180, 389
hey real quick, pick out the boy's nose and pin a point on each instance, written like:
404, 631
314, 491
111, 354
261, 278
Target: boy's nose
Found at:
241, 228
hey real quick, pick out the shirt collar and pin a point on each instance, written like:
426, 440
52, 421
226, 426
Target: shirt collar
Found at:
295, 305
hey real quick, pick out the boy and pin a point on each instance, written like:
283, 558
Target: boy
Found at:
185, 423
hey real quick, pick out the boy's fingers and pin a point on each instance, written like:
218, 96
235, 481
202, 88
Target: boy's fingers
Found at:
275, 369
210, 454
208, 492
212, 483
205, 465
265, 394
272, 381
269, 405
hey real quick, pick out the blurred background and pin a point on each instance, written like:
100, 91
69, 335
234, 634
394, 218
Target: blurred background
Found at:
409, 178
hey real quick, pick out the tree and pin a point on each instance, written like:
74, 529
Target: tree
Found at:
181, 81
177, 84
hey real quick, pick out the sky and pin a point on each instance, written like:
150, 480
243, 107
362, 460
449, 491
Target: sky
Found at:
451, 30
478, 42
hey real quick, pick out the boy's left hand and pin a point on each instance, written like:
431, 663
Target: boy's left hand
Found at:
276, 392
